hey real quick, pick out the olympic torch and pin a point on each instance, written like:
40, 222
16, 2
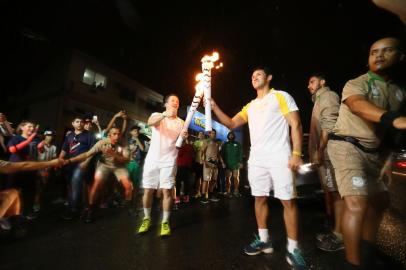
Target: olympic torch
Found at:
193, 107
207, 65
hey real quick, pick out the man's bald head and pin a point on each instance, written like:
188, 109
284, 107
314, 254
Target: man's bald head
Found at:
384, 54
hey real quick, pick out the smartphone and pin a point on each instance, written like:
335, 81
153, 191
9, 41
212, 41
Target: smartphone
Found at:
94, 118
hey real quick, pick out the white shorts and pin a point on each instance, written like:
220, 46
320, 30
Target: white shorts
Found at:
280, 179
155, 176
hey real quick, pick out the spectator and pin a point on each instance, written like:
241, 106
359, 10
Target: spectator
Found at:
232, 155
136, 147
76, 143
46, 152
10, 202
184, 162
113, 160
23, 147
211, 159
198, 163
6, 131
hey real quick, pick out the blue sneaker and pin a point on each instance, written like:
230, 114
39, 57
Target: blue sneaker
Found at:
257, 247
296, 260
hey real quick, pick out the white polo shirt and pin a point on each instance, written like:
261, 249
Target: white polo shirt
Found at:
269, 129
163, 142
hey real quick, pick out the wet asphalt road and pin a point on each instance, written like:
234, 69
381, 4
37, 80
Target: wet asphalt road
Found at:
203, 237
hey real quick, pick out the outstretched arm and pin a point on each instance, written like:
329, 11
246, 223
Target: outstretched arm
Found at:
368, 111
231, 123
113, 119
15, 148
12, 167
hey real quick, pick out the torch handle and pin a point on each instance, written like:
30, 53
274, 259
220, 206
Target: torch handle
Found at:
191, 112
207, 97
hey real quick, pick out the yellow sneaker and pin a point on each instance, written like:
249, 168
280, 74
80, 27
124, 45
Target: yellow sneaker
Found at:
165, 229
146, 223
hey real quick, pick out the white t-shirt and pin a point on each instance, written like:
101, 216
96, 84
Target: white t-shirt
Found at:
163, 142
48, 154
269, 129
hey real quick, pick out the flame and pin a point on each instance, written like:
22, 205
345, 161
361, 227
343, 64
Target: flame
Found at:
215, 56
207, 64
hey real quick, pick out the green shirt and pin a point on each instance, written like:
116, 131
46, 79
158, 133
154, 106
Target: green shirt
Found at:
232, 154
197, 145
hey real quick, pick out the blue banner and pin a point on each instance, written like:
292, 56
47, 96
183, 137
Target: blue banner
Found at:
198, 124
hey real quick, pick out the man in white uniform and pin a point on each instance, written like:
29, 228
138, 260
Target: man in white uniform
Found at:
160, 163
272, 162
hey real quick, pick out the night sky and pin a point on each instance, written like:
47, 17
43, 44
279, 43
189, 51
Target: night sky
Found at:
160, 43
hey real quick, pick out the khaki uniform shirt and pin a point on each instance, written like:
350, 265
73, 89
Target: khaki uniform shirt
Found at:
376, 90
108, 160
212, 149
324, 117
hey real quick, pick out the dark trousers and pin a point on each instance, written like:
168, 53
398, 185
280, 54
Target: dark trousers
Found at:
183, 175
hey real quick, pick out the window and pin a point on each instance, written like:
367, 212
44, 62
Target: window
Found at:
93, 78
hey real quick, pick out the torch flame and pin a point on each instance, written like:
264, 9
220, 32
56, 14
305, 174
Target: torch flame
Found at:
215, 56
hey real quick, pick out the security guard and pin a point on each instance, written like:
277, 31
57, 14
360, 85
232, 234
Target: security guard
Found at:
324, 117
370, 105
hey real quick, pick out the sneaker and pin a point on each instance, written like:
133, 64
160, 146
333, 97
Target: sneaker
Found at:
5, 224
256, 247
146, 223
204, 201
165, 229
237, 194
227, 195
177, 200
214, 199
296, 260
322, 236
31, 216
36, 208
330, 244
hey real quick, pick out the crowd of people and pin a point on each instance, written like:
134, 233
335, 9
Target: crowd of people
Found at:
345, 145
96, 168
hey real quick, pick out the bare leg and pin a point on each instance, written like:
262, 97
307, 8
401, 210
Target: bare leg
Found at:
228, 184
128, 187
98, 178
290, 215
376, 206
261, 211
10, 203
236, 183
355, 208
338, 211
167, 199
147, 198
